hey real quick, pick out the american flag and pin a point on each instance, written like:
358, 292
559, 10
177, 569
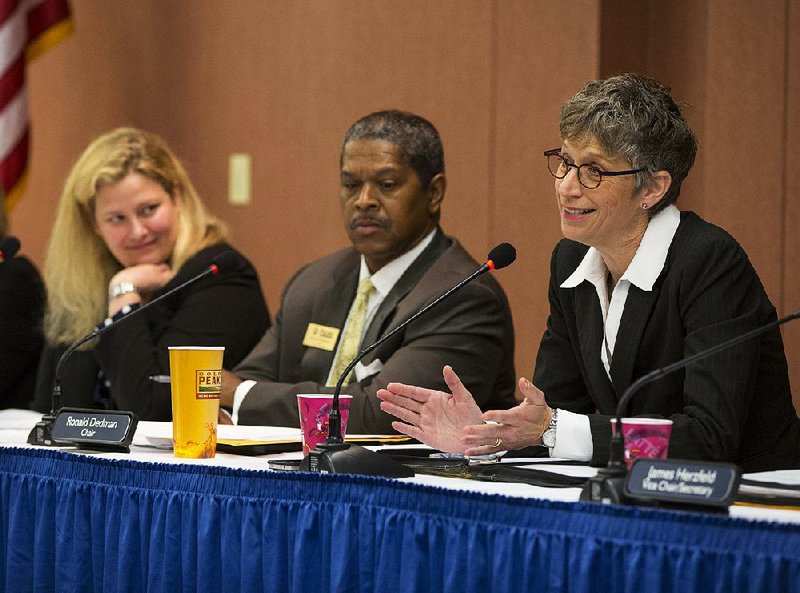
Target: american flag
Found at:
27, 29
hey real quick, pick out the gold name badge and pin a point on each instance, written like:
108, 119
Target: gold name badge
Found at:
321, 336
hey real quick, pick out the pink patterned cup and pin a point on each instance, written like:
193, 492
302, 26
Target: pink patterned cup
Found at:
645, 438
315, 411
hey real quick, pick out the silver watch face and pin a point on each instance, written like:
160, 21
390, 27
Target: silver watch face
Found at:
549, 438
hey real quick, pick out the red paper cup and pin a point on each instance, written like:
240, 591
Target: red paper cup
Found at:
644, 438
315, 411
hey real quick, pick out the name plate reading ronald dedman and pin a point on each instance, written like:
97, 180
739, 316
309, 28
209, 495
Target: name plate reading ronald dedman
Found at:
95, 429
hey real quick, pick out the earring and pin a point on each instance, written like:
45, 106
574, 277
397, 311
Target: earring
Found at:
644, 206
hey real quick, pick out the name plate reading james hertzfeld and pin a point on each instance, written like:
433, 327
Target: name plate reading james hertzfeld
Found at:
95, 429
678, 482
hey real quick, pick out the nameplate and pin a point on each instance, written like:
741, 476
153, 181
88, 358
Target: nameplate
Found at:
321, 336
100, 430
681, 482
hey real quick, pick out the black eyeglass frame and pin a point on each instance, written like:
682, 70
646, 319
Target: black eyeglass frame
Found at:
557, 152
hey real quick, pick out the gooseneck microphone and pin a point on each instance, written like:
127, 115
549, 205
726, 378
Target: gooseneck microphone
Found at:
334, 455
607, 485
42, 432
9, 246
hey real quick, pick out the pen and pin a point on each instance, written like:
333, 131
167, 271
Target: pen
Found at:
159, 378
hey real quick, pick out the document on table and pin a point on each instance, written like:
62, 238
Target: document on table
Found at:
249, 440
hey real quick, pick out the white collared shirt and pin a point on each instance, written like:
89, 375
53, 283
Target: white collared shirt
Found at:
573, 435
383, 280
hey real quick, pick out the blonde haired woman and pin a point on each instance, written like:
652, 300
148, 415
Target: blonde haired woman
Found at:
130, 226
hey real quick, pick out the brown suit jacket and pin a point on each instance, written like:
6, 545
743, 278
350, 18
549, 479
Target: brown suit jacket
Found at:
471, 330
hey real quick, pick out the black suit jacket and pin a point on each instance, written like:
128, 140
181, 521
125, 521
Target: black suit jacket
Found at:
733, 406
21, 309
471, 330
224, 310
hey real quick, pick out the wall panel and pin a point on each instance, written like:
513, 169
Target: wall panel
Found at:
790, 296
744, 123
677, 39
301, 75
542, 60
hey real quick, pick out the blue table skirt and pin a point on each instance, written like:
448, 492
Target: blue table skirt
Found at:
77, 523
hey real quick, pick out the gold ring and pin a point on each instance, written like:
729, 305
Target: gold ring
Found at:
497, 442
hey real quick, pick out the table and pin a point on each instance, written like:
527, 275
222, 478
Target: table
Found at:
143, 522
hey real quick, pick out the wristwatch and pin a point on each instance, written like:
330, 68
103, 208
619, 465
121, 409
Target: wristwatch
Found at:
549, 434
120, 289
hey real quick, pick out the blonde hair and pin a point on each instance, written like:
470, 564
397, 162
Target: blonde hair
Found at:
79, 266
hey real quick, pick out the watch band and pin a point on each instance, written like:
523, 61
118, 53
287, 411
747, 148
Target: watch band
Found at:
120, 289
549, 434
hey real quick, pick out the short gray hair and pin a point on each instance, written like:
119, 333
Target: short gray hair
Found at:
634, 117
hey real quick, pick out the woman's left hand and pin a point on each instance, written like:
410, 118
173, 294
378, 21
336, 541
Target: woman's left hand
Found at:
521, 426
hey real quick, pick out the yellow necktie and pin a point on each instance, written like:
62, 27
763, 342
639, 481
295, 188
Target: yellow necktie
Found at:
351, 339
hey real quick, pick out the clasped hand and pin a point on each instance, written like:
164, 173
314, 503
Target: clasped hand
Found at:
453, 422
147, 278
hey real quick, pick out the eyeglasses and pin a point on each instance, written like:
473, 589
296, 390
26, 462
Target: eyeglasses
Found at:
589, 176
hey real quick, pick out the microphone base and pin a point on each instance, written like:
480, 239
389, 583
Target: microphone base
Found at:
344, 458
42, 433
607, 487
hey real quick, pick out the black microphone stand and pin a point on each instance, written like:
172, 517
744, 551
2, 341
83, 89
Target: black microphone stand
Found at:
608, 484
336, 456
42, 432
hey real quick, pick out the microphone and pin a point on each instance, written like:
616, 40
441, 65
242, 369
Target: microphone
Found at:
336, 456
501, 256
42, 432
607, 485
8, 247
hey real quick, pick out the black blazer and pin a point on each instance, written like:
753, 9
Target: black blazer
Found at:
471, 330
733, 406
224, 310
21, 309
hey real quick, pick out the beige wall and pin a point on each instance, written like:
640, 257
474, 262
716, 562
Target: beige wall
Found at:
283, 80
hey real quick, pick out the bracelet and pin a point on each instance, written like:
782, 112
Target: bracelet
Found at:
117, 316
120, 289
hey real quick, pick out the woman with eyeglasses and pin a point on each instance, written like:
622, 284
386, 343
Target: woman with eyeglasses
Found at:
635, 285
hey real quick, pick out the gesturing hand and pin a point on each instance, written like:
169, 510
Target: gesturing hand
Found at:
432, 417
521, 426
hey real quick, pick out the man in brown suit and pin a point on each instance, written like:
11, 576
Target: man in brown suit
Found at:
391, 192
